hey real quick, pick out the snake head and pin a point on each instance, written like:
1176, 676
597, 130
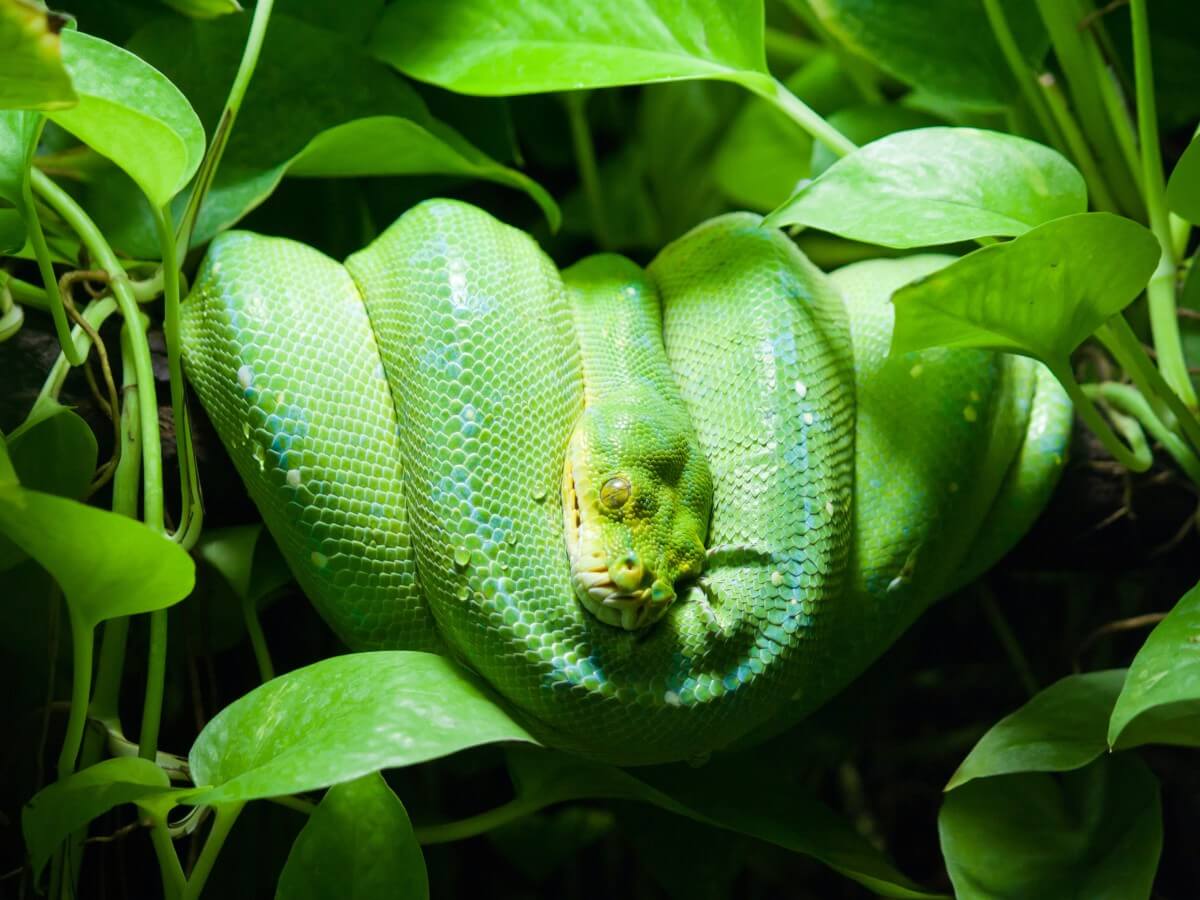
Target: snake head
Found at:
637, 495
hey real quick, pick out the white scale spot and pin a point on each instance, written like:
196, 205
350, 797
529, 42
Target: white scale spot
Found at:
829, 507
777, 578
801, 390
896, 583
808, 418
671, 698
293, 477
245, 376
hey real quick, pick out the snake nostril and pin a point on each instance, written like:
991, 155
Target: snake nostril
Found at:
627, 572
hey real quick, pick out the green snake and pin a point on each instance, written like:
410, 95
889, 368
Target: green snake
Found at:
656, 510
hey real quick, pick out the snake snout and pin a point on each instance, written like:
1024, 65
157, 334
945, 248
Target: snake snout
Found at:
627, 572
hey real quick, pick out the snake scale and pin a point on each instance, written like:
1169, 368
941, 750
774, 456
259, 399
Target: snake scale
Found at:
656, 510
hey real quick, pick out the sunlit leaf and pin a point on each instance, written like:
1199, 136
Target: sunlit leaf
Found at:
31, 67
204, 9
107, 565
1064, 727
1160, 702
1041, 294
132, 114
67, 805
358, 843
1095, 832
945, 47
342, 718
18, 136
1183, 188
938, 186
498, 47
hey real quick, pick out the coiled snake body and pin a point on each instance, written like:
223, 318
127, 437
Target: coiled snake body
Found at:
656, 510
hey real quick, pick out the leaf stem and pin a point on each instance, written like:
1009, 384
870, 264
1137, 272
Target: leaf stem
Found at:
1102, 197
156, 668
222, 823
1125, 347
95, 314
1024, 76
585, 160
1131, 459
102, 254
1161, 291
1008, 641
1130, 401
173, 879
45, 266
25, 293
216, 148
460, 829
82, 640
258, 641
775, 91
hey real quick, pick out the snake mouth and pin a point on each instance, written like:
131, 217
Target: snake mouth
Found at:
591, 578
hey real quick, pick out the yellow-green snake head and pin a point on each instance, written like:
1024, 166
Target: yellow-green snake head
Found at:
636, 501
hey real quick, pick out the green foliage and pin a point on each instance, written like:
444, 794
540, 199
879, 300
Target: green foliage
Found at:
1183, 190
339, 719
357, 844
31, 68
938, 186
1160, 702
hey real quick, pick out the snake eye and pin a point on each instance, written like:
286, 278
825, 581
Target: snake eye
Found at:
615, 492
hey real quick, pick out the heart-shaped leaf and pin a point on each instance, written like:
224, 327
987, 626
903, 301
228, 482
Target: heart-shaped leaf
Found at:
1183, 188
938, 186
1064, 727
1160, 702
358, 843
945, 47
31, 67
67, 805
339, 719
1040, 295
1095, 832
131, 113
107, 565
497, 47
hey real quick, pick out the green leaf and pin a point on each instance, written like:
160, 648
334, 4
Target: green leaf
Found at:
938, 186
1095, 832
866, 123
1160, 703
339, 719
499, 47
945, 47
18, 139
716, 795
1063, 727
131, 113
107, 565
204, 9
764, 154
1041, 294
1183, 188
363, 121
357, 844
31, 67
67, 805
12, 231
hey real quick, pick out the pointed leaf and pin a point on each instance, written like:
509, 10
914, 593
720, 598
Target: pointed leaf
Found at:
204, 9
1095, 832
498, 47
131, 113
31, 68
107, 565
1183, 188
1041, 294
1064, 727
357, 845
65, 806
938, 186
342, 718
1160, 702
